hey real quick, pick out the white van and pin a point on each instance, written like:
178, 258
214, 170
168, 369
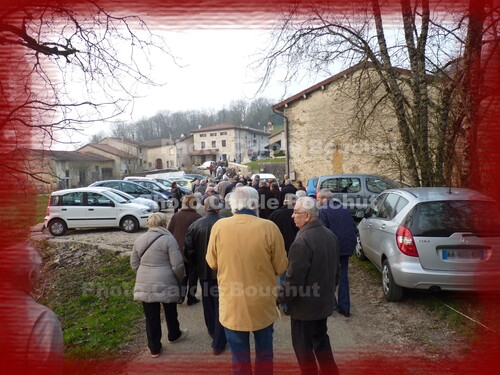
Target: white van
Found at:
266, 177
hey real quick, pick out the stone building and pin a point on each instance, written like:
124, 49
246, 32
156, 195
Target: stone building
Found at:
240, 144
327, 131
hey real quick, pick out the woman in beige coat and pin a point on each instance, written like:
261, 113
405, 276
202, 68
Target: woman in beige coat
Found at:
160, 268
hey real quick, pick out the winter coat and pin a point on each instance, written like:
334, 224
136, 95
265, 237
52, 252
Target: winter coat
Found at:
313, 273
180, 223
159, 266
338, 219
196, 244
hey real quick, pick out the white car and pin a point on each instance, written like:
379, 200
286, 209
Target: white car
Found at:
140, 200
207, 165
93, 207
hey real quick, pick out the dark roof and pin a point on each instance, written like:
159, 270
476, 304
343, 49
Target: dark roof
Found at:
321, 85
69, 155
229, 126
110, 150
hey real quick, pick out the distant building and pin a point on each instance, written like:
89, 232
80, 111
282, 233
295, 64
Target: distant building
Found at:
228, 142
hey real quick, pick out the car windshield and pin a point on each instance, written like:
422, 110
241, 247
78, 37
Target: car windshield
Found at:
116, 197
443, 218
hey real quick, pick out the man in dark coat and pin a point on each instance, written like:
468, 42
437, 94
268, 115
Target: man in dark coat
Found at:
338, 219
178, 226
286, 189
308, 290
266, 200
196, 243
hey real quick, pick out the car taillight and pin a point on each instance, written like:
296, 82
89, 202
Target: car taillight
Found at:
405, 242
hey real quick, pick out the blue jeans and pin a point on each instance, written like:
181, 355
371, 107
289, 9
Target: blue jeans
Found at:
239, 342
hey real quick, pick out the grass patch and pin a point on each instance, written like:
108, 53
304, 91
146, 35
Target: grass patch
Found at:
94, 303
255, 164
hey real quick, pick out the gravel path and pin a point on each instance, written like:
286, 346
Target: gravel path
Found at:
375, 326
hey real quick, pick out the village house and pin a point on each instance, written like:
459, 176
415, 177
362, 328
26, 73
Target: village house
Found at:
326, 133
232, 143
55, 170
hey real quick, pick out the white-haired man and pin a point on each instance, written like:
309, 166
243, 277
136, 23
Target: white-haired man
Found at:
248, 253
308, 289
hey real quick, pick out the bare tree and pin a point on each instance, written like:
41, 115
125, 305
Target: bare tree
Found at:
441, 51
59, 46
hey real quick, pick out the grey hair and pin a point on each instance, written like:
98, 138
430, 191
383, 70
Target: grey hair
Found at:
290, 198
157, 219
308, 204
301, 193
212, 203
325, 193
244, 197
288, 181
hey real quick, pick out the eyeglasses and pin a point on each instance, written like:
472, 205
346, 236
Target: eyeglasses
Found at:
298, 213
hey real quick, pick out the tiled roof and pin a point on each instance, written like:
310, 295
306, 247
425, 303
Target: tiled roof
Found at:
110, 150
69, 155
229, 126
158, 142
126, 140
321, 85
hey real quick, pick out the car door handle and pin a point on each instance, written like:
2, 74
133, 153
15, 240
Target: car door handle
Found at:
369, 224
382, 226
91, 209
64, 209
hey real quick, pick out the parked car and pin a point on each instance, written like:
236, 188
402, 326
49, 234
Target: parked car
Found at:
354, 191
192, 176
136, 190
92, 207
139, 200
311, 186
207, 164
266, 177
430, 238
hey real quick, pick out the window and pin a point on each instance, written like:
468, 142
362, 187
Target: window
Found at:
95, 199
71, 199
223, 143
375, 206
376, 185
388, 208
202, 144
223, 133
214, 144
213, 134
203, 135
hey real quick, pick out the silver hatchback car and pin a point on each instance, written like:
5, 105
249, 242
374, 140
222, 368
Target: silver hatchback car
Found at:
431, 238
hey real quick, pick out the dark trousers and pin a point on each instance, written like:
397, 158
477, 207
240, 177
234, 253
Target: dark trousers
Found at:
153, 323
210, 301
311, 343
344, 300
189, 283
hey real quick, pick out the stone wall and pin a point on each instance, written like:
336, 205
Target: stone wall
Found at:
328, 133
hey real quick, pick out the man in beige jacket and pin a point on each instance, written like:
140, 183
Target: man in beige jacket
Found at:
248, 253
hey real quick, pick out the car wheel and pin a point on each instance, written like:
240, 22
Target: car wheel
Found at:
392, 291
57, 227
129, 224
359, 250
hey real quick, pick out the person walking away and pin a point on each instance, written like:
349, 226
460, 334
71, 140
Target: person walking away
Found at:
283, 219
196, 243
248, 253
266, 200
178, 226
309, 287
286, 189
176, 196
159, 268
338, 219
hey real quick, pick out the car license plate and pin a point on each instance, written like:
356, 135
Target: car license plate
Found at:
462, 254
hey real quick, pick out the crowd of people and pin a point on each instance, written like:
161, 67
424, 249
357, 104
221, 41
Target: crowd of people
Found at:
235, 237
